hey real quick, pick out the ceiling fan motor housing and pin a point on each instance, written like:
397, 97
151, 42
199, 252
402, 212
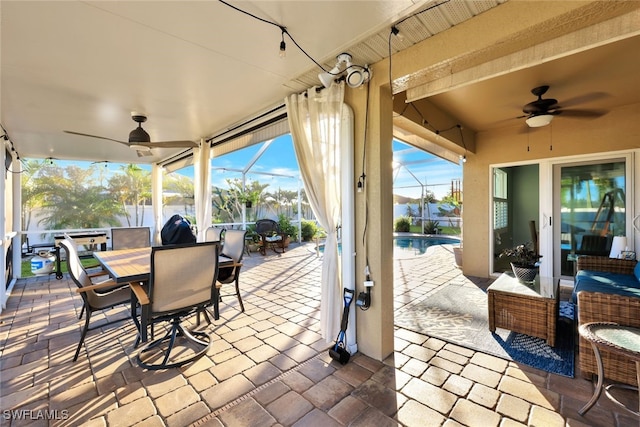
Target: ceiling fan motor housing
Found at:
139, 135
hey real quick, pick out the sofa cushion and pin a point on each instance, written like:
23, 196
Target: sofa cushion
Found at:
602, 281
636, 271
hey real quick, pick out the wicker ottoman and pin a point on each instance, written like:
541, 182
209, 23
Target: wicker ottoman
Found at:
527, 309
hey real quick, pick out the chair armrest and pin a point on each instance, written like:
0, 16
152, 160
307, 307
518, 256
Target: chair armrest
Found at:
230, 264
602, 263
97, 274
101, 285
140, 293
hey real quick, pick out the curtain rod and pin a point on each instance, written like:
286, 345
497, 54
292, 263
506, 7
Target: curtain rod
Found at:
266, 113
248, 130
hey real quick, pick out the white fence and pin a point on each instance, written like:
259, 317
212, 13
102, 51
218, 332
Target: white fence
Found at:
432, 212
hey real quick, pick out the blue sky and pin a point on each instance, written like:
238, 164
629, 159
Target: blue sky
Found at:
279, 159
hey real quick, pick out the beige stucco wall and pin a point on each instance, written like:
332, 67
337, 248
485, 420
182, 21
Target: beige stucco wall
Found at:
374, 216
500, 31
617, 130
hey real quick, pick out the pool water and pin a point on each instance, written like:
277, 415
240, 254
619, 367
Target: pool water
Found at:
419, 245
416, 245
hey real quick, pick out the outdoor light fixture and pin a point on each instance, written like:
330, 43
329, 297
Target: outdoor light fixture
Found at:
464, 156
360, 185
396, 32
283, 46
539, 120
356, 75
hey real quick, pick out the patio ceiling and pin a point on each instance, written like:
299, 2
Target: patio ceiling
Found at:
195, 69
198, 68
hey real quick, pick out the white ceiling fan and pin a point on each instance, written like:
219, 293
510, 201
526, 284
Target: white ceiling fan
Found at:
139, 139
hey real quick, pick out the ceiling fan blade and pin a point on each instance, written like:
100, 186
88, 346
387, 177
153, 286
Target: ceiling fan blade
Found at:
587, 114
96, 136
583, 99
168, 144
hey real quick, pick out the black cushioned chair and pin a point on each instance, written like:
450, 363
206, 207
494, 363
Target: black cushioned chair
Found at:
270, 235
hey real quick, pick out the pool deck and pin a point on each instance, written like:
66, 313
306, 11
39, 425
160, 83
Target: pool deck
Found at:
269, 366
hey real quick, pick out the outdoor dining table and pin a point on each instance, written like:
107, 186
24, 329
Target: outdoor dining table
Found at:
132, 266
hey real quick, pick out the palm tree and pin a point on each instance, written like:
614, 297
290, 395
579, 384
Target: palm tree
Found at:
71, 199
182, 191
132, 187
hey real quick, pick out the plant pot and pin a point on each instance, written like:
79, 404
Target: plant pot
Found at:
524, 273
457, 253
285, 242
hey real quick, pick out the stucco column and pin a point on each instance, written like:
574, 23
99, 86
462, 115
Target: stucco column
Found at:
374, 215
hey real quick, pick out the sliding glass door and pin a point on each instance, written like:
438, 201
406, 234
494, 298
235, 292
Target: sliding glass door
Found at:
563, 208
590, 200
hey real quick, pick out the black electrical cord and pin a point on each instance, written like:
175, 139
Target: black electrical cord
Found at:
426, 123
395, 31
363, 178
282, 28
6, 137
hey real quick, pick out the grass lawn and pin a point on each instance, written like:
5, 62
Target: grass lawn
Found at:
25, 268
448, 231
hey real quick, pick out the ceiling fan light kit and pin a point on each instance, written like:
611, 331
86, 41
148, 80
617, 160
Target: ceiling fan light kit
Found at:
539, 120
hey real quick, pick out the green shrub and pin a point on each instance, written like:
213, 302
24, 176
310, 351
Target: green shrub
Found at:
403, 224
287, 227
309, 230
431, 227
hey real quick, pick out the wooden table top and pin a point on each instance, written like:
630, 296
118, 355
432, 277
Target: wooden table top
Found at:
134, 265
126, 265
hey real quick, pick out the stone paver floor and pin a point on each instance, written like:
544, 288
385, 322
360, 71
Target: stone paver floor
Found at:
269, 366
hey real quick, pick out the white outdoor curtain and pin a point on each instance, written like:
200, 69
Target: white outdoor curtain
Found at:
315, 121
202, 188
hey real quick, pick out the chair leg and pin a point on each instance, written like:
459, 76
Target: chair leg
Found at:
176, 330
205, 314
81, 311
238, 294
84, 334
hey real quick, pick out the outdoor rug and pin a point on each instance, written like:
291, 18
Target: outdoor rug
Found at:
459, 315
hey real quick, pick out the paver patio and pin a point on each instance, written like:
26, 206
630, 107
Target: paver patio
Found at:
269, 365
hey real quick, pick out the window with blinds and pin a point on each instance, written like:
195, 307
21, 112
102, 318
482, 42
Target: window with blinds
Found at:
500, 202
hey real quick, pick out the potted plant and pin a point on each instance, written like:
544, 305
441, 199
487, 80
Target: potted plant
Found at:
525, 261
252, 239
287, 228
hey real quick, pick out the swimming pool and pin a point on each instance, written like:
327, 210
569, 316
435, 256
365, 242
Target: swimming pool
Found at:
415, 244
418, 244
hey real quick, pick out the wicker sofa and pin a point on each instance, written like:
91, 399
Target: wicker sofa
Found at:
607, 290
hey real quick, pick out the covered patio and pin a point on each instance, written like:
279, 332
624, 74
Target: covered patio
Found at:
270, 366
